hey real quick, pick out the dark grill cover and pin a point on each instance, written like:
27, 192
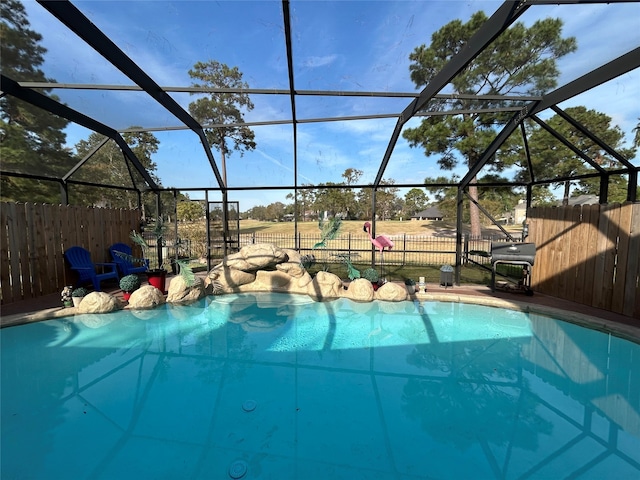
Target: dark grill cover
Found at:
513, 252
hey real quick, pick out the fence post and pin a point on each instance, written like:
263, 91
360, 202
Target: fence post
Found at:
465, 249
404, 249
349, 245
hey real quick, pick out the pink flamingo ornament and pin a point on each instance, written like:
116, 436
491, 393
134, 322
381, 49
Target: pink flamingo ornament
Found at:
380, 242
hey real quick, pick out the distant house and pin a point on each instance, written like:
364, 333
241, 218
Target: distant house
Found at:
431, 213
520, 212
582, 200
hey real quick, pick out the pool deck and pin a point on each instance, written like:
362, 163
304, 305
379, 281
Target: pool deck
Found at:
48, 307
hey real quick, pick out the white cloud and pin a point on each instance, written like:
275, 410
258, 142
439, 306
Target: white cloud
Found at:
315, 62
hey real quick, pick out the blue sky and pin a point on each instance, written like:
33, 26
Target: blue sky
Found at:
346, 45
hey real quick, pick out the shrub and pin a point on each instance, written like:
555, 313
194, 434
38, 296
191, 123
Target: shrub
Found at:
79, 292
307, 261
371, 274
129, 283
409, 281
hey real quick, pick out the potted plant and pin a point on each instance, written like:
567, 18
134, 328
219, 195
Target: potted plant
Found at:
65, 296
410, 284
128, 285
78, 294
157, 276
372, 275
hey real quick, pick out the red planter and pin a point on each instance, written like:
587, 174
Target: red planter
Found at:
157, 278
126, 295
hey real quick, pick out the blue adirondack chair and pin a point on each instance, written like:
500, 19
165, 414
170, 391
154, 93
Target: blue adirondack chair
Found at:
124, 262
80, 261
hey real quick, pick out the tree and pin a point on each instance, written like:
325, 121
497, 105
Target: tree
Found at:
306, 198
387, 201
415, 200
275, 211
108, 164
520, 60
636, 138
222, 108
498, 201
31, 139
550, 159
189, 210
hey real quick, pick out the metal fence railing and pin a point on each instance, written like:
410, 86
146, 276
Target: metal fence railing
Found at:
407, 250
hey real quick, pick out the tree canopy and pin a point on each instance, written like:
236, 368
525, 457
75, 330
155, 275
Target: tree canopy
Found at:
553, 160
222, 108
521, 60
32, 140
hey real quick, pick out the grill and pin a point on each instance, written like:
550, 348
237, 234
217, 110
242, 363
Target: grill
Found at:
523, 254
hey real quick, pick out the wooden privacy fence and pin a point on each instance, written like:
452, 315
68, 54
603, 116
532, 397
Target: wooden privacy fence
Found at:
35, 236
588, 254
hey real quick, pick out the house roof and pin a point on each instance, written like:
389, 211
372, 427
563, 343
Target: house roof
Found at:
431, 212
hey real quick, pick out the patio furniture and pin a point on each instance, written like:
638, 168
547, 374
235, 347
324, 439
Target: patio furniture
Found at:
122, 255
79, 260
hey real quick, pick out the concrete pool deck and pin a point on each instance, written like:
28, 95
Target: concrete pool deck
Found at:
48, 307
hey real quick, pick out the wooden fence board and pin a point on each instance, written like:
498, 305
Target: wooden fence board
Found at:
612, 213
582, 283
555, 252
592, 249
603, 282
40, 280
619, 281
5, 265
51, 255
29, 289
600, 249
23, 245
57, 245
563, 244
576, 258
631, 304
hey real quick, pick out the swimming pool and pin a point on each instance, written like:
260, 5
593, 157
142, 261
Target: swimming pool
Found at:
278, 386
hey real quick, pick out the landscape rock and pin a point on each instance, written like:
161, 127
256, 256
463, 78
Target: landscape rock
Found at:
391, 292
325, 286
146, 296
262, 255
229, 278
180, 292
292, 255
99, 302
359, 290
271, 281
291, 268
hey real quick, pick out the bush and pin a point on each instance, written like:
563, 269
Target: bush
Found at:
307, 261
129, 283
409, 281
371, 274
79, 292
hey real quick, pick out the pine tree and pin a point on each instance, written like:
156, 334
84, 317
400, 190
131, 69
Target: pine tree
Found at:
32, 140
521, 60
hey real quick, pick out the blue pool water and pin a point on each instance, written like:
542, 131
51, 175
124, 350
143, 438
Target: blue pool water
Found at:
275, 386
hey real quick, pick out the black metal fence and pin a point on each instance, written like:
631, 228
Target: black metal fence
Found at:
407, 249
